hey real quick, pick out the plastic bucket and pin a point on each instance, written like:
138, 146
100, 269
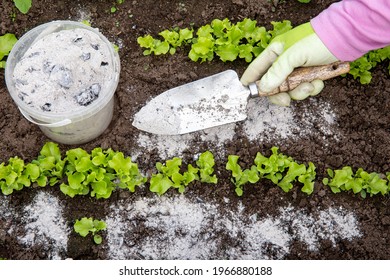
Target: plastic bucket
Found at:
76, 126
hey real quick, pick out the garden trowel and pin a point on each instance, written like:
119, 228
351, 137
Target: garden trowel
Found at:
216, 100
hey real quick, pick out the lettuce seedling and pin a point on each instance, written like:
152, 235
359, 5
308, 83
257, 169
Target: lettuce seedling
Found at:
77, 166
16, 175
99, 173
176, 39
273, 167
279, 27
372, 183
11, 176
202, 49
218, 27
227, 46
51, 165
161, 182
48, 167
7, 42
284, 171
293, 172
299, 172
183, 180
361, 67
84, 226
246, 52
360, 182
172, 38
126, 171
308, 179
250, 31
241, 177
169, 176
206, 163
23, 5
155, 46
84, 177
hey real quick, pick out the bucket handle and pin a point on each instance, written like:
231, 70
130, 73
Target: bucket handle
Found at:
56, 124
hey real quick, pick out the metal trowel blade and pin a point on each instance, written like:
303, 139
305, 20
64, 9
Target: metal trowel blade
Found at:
212, 101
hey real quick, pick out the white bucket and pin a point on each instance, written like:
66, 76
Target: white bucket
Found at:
78, 126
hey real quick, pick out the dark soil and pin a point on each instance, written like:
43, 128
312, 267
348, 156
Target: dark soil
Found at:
363, 117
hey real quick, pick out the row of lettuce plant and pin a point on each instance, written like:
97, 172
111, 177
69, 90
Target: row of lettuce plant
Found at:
220, 38
100, 172
242, 40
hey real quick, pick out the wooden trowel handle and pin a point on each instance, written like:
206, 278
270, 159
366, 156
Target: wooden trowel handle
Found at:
308, 74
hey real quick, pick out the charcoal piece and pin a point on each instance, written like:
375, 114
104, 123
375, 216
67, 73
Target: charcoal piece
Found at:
85, 56
104, 63
62, 75
21, 82
48, 66
31, 69
95, 46
46, 107
88, 95
95, 88
33, 54
78, 39
22, 95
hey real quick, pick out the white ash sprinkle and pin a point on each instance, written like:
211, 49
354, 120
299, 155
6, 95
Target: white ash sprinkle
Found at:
184, 229
44, 225
265, 122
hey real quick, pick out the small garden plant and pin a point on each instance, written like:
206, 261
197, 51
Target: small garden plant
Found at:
169, 174
84, 226
361, 182
23, 5
361, 68
7, 41
282, 170
99, 173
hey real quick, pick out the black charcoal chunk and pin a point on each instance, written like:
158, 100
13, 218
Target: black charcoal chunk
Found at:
95, 46
48, 66
62, 75
21, 82
104, 63
88, 95
33, 54
46, 107
85, 56
22, 95
31, 69
78, 39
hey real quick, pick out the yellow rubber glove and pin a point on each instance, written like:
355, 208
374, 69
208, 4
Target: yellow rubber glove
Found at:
296, 48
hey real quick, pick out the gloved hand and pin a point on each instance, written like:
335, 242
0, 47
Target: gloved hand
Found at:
298, 47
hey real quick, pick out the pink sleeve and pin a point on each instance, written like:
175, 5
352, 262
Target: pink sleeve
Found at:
351, 28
